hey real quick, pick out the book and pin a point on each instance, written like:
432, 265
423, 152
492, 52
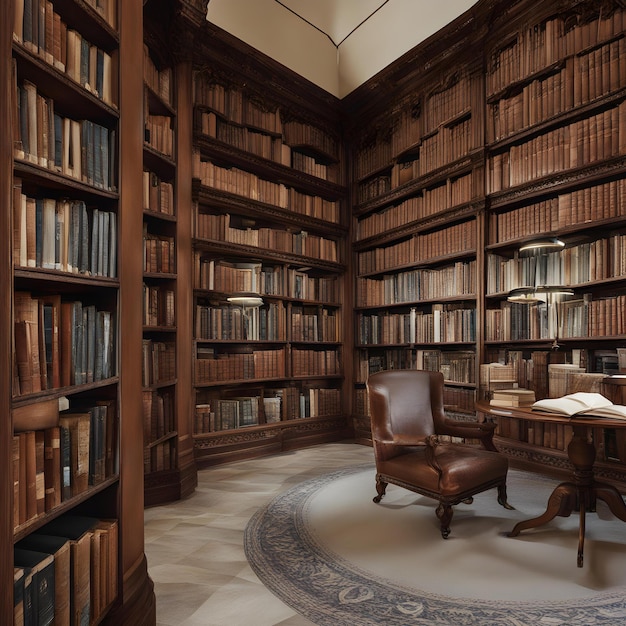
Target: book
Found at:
513, 397
78, 425
78, 530
18, 596
39, 568
582, 403
52, 467
59, 548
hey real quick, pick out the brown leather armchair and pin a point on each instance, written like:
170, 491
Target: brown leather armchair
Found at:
408, 418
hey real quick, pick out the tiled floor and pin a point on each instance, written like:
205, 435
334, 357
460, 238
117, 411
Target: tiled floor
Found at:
195, 547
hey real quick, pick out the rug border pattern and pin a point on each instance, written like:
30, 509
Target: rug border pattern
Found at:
330, 591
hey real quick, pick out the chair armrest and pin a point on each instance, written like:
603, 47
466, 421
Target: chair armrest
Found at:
432, 441
470, 430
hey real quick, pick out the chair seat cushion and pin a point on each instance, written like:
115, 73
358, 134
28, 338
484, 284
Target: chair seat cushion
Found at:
463, 469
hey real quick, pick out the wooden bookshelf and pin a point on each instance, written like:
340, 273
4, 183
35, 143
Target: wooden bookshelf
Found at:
269, 201
455, 168
555, 169
67, 279
417, 233
169, 471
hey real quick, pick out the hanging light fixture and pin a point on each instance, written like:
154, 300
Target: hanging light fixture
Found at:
246, 300
551, 244
524, 295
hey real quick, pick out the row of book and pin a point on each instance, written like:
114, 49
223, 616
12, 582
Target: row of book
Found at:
421, 247
447, 102
54, 464
236, 323
158, 194
315, 362
592, 139
582, 317
159, 80
376, 153
309, 165
160, 457
455, 365
454, 399
406, 132
447, 145
446, 323
239, 277
158, 362
300, 134
583, 78
158, 414
211, 367
159, 306
314, 324
378, 185
544, 44
581, 206
80, 149
159, 133
267, 146
60, 343
42, 31
242, 183
415, 285
596, 260
159, 253
64, 235
433, 200
235, 106
227, 414
219, 228
66, 572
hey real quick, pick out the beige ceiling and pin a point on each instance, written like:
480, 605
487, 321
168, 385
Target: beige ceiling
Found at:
336, 44
335, 18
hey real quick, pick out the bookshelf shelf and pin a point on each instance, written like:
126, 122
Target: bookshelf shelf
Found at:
231, 202
39, 522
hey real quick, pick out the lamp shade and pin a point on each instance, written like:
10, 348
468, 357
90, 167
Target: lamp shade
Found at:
245, 300
543, 245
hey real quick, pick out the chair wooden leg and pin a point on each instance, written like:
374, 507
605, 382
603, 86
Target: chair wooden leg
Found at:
381, 486
502, 497
444, 513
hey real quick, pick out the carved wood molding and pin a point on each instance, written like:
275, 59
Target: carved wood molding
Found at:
286, 430
558, 183
229, 61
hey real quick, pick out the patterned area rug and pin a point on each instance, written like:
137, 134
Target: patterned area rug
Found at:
337, 558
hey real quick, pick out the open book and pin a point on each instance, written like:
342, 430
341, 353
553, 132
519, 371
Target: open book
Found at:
582, 403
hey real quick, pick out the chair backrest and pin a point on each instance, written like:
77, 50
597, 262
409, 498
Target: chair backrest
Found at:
405, 405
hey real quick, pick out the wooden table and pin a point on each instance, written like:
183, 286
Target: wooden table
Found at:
581, 493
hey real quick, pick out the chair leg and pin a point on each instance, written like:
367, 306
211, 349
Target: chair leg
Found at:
444, 513
502, 497
381, 486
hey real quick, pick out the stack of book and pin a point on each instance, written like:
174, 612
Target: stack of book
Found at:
515, 397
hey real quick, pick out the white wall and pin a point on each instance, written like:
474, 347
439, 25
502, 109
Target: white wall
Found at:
278, 33
397, 27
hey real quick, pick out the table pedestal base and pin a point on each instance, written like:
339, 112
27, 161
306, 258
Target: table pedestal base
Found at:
580, 495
